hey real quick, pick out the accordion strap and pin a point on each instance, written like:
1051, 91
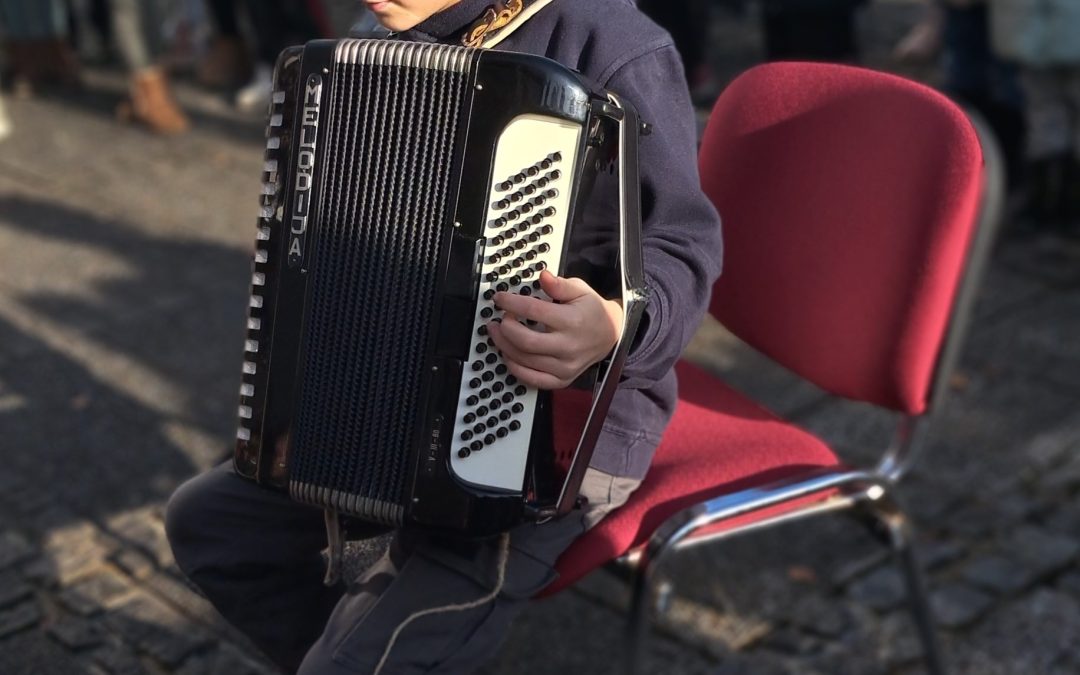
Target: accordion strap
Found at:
498, 24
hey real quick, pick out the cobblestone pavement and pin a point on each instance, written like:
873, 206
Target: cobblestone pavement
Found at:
123, 274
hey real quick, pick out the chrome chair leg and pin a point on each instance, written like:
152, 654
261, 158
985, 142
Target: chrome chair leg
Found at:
637, 627
899, 530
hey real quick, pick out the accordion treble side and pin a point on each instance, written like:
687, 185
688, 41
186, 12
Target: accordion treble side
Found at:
405, 184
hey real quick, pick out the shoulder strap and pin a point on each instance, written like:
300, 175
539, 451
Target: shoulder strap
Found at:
492, 33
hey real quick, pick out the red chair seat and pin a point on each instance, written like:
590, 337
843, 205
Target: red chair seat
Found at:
719, 442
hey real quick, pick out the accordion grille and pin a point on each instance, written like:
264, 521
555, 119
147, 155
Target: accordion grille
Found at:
385, 200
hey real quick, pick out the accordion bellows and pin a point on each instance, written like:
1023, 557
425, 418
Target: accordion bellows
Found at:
405, 184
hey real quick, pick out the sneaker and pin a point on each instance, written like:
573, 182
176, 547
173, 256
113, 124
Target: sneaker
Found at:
255, 96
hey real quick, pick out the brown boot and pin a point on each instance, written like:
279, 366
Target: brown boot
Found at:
225, 65
152, 103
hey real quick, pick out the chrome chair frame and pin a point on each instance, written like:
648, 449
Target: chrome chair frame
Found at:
872, 490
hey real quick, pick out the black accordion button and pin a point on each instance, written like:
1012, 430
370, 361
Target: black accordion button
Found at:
529, 189
466, 435
540, 266
536, 285
534, 237
479, 428
537, 219
476, 446
548, 212
495, 404
469, 418
547, 229
516, 263
485, 393
482, 410
531, 171
474, 383
519, 178
491, 276
504, 186
495, 259
497, 387
500, 369
518, 408
504, 415
501, 204
507, 397
492, 421
525, 208
515, 425
525, 290
488, 376
481, 348
482, 330
520, 390
516, 197
530, 255
491, 358
555, 175
543, 248
478, 365
556, 156
502, 433
511, 380
489, 294
551, 193
489, 439
545, 164
542, 181
515, 280
472, 400
487, 312
463, 453
503, 286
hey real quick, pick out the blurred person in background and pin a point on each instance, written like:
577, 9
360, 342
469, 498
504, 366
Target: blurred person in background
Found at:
277, 25
959, 31
227, 63
36, 45
810, 30
136, 30
1042, 37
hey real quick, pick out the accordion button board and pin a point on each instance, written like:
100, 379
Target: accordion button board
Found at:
523, 235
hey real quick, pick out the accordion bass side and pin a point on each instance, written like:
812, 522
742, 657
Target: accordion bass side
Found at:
405, 184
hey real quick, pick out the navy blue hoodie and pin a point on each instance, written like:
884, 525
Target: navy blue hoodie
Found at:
619, 48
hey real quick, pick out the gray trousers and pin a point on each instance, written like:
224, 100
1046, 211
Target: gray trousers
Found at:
257, 556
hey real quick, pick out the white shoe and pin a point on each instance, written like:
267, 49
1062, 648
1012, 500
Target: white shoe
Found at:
255, 95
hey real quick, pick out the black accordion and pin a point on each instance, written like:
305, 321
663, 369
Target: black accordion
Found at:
404, 184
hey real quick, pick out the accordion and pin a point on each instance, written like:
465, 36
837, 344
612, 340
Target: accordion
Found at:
404, 184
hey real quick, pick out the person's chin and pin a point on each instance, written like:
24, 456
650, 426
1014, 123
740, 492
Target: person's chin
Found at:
390, 17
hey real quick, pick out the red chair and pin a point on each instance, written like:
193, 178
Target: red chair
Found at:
851, 204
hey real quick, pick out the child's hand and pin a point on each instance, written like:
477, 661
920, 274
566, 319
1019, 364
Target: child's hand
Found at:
582, 328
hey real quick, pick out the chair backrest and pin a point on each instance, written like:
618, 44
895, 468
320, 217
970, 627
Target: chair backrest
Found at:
847, 221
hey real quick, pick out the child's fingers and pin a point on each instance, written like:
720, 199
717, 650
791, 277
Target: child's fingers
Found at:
533, 378
528, 307
563, 289
532, 341
538, 362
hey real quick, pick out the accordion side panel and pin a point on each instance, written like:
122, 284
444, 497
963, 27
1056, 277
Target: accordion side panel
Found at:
523, 234
373, 273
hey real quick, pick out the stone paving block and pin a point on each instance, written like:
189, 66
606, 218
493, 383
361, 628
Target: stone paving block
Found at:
898, 641
881, 590
117, 659
156, 629
935, 554
185, 598
77, 633
31, 653
224, 660
957, 605
998, 574
825, 617
96, 593
1042, 551
19, 617
848, 570
789, 640
143, 529
1032, 633
14, 548
13, 588
134, 563
76, 550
